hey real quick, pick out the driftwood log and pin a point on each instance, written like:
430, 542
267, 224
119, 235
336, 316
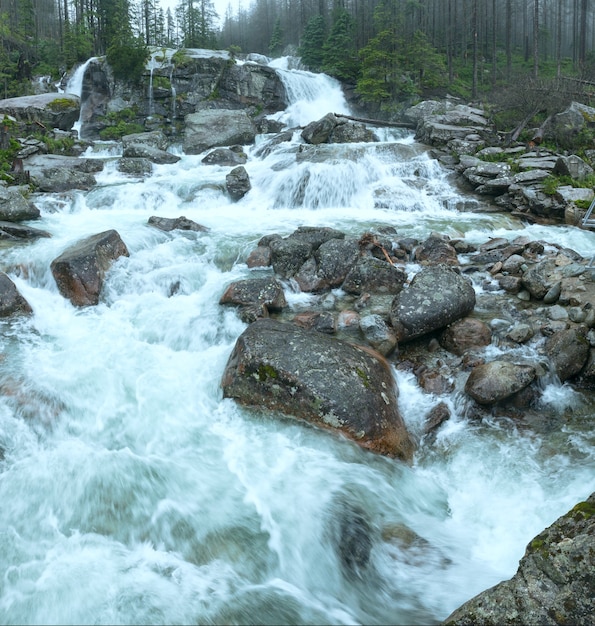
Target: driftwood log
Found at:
376, 122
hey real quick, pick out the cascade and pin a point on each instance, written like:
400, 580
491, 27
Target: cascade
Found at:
133, 493
310, 95
75, 86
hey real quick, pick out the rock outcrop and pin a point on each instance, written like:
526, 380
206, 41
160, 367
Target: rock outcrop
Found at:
51, 110
554, 583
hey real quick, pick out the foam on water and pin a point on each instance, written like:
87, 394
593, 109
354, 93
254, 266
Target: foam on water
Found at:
132, 492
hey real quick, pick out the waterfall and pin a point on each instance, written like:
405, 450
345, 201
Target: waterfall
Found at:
310, 96
173, 95
75, 87
132, 492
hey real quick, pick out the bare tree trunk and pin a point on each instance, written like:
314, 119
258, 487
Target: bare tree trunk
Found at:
475, 51
582, 51
535, 38
559, 41
494, 60
508, 39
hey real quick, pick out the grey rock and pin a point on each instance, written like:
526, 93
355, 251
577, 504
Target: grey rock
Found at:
492, 382
11, 300
212, 128
436, 297
237, 183
322, 380
568, 350
553, 584
14, 207
168, 224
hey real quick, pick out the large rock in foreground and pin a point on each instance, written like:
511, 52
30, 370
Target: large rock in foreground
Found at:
80, 270
554, 584
325, 381
436, 297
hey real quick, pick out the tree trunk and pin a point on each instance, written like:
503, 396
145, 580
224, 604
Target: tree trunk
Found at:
508, 39
535, 38
474, 20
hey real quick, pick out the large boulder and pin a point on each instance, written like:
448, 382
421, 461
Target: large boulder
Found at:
251, 84
554, 582
336, 129
436, 297
59, 179
54, 173
155, 155
256, 297
492, 382
372, 275
11, 300
50, 110
565, 126
568, 351
212, 128
466, 334
319, 379
80, 270
14, 207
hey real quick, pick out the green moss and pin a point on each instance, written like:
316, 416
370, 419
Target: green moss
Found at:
161, 82
584, 509
364, 377
266, 372
181, 58
120, 124
61, 104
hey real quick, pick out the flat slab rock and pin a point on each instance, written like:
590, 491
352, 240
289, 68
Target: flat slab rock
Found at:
324, 381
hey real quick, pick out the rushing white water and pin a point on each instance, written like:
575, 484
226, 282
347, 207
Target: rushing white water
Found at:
133, 493
75, 87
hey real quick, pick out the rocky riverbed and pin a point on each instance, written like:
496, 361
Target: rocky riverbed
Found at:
489, 322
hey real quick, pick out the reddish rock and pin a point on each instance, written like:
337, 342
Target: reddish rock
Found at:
80, 270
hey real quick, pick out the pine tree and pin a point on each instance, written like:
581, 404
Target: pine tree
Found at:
339, 54
311, 47
276, 43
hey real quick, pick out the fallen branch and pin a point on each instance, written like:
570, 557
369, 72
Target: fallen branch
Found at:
377, 122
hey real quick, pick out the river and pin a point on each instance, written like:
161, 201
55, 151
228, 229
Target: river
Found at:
132, 493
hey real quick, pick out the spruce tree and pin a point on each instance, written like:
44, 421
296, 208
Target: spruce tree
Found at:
276, 43
311, 47
339, 54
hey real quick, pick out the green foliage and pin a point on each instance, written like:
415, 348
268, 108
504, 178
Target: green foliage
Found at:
234, 51
120, 124
56, 145
78, 44
396, 65
127, 57
552, 183
161, 82
61, 104
276, 43
311, 49
9, 148
180, 58
339, 54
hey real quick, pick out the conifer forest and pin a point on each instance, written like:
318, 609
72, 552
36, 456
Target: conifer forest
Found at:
389, 50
